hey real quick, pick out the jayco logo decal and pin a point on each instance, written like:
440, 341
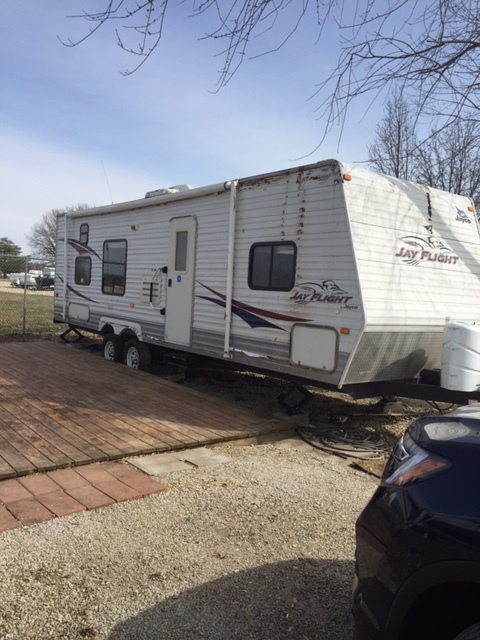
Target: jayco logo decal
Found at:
417, 249
462, 217
327, 291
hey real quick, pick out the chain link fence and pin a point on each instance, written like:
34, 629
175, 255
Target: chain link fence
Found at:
26, 296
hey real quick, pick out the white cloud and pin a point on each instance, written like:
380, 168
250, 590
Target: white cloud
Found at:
67, 114
37, 177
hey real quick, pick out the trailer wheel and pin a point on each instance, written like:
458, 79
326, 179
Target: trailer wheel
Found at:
112, 348
137, 355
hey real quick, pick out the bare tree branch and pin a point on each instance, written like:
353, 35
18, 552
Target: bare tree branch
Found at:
394, 150
430, 47
435, 58
448, 159
148, 30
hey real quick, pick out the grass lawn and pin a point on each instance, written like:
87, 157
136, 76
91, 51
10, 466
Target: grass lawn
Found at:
39, 312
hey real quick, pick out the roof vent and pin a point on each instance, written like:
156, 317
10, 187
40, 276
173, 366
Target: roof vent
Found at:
165, 192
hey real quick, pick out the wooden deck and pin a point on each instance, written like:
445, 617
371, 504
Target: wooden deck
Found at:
61, 406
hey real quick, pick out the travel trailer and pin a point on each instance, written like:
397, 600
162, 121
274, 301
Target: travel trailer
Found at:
325, 274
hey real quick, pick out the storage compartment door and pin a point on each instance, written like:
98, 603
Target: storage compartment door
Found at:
314, 347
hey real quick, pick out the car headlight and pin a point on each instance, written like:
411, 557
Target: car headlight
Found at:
410, 463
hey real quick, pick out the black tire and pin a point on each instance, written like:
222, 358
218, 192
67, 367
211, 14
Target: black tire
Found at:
472, 633
137, 355
112, 348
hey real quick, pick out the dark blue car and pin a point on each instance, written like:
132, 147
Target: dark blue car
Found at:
418, 539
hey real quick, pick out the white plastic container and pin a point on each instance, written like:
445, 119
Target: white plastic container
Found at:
461, 357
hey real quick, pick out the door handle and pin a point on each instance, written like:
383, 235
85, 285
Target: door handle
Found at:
169, 282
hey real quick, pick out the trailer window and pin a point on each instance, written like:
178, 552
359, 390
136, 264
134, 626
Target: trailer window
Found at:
114, 269
83, 270
272, 266
181, 245
84, 233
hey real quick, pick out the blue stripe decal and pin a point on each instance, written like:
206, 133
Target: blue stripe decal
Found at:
251, 319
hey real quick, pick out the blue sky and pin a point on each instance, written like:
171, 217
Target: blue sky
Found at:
74, 130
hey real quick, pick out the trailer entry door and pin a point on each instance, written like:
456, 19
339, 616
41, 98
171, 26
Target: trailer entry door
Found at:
180, 281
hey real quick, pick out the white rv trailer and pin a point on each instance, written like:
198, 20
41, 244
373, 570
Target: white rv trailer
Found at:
327, 274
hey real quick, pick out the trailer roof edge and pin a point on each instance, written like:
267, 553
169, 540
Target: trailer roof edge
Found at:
143, 203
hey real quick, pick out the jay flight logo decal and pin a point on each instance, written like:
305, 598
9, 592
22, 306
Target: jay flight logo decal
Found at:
327, 291
421, 249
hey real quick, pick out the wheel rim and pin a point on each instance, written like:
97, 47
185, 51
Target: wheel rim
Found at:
109, 351
133, 358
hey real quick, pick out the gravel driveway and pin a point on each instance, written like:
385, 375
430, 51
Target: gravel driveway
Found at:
258, 549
